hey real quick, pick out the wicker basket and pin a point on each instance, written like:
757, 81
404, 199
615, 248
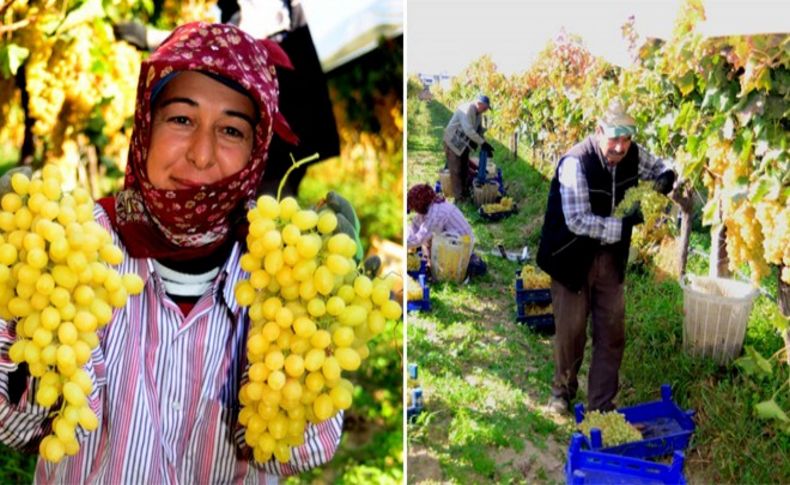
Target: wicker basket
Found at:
486, 194
716, 314
447, 183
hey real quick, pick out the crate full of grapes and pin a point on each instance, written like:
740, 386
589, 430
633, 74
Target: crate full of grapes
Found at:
418, 294
585, 466
533, 299
498, 210
416, 264
659, 428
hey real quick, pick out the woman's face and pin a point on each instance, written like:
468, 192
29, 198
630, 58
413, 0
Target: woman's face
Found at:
202, 132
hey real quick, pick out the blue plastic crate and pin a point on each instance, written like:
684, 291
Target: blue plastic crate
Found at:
541, 295
417, 405
496, 216
423, 305
664, 425
537, 323
594, 467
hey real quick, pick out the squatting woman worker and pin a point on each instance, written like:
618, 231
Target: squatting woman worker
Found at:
434, 215
167, 371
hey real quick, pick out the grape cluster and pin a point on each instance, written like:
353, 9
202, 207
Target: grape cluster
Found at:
413, 289
505, 204
57, 282
533, 278
413, 262
615, 430
311, 316
653, 205
532, 309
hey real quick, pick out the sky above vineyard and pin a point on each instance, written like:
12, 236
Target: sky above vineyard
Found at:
446, 35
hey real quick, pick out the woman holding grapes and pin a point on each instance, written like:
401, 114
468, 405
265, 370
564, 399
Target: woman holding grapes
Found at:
165, 375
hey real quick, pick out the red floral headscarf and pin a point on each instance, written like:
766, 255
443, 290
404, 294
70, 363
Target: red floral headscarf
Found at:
420, 198
188, 223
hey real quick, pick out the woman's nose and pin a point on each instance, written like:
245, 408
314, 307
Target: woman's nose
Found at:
200, 152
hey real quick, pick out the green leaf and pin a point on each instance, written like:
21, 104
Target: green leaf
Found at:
710, 213
771, 410
11, 57
686, 83
86, 11
767, 187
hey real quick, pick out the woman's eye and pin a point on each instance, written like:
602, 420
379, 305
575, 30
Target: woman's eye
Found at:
181, 120
231, 131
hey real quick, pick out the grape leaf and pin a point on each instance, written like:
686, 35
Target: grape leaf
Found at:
767, 187
11, 57
771, 410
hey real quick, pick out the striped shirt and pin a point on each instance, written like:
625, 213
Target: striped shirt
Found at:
441, 217
575, 196
165, 391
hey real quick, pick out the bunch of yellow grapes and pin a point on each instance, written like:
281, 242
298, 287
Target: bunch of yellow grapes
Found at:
533, 278
413, 289
653, 205
57, 283
615, 430
531, 309
413, 262
311, 317
504, 205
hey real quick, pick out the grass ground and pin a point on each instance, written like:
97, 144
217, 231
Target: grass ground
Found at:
486, 379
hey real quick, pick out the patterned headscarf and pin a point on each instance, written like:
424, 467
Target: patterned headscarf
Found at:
188, 223
420, 198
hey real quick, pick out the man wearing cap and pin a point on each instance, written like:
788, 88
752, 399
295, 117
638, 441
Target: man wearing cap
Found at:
463, 134
585, 250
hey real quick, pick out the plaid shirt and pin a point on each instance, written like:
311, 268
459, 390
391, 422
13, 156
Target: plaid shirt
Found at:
441, 217
165, 392
575, 196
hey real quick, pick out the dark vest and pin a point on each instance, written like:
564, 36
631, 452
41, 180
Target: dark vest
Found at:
566, 256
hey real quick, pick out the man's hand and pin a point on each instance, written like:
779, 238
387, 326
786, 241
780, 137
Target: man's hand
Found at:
664, 182
634, 216
5, 180
488, 148
132, 32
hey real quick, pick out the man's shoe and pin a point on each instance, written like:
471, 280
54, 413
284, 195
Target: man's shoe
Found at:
558, 405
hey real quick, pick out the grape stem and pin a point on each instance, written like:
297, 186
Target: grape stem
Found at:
294, 165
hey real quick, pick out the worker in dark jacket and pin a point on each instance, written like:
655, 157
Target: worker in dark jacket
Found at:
585, 249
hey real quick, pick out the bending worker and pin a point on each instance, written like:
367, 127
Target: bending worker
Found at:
464, 133
585, 250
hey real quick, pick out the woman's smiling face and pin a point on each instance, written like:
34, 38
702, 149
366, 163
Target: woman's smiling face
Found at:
202, 131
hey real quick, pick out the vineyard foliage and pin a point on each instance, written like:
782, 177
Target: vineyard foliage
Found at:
67, 86
718, 106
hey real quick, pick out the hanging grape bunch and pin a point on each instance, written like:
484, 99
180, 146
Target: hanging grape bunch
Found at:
653, 205
615, 430
57, 282
312, 313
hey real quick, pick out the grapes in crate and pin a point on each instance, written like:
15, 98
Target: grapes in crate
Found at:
615, 430
413, 289
533, 278
504, 205
413, 262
